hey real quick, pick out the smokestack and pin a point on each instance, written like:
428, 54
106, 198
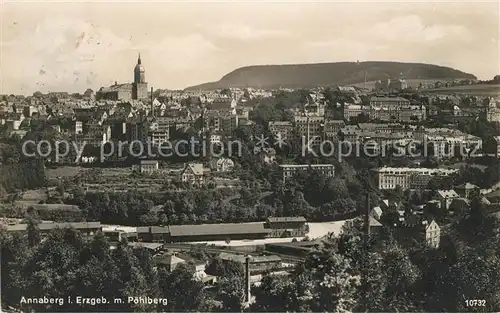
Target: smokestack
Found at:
367, 216
152, 105
247, 279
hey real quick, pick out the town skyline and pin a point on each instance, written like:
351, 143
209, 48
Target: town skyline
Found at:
88, 48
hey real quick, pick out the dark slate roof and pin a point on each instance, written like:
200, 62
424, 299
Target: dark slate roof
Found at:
49, 226
254, 259
159, 230
218, 229
286, 219
147, 245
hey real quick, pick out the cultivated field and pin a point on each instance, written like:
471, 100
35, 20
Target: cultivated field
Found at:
63, 171
414, 83
483, 90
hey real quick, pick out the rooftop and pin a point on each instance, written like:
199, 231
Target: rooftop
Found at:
254, 259
448, 193
286, 219
50, 226
305, 165
467, 186
147, 245
169, 259
218, 229
415, 170
374, 222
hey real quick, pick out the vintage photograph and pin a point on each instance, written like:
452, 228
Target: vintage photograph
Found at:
249, 156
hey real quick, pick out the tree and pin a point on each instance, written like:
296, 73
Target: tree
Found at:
434, 211
184, 293
334, 287
33, 232
269, 296
231, 292
478, 225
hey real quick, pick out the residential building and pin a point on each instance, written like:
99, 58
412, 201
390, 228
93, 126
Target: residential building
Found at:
492, 111
289, 170
468, 190
497, 140
281, 129
222, 165
403, 113
138, 130
446, 145
215, 138
169, 261
388, 178
267, 155
94, 134
310, 129
375, 226
376, 213
149, 166
397, 85
388, 101
353, 111
194, 173
446, 197
13, 121
332, 129
159, 130
415, 228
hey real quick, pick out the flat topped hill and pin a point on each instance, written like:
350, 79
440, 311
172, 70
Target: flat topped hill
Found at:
327, 74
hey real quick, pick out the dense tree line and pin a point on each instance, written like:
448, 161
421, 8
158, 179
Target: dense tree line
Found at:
348, 275
483, 178
309, 194
345, 273
24, 175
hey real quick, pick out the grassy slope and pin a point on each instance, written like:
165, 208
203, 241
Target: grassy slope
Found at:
327, 74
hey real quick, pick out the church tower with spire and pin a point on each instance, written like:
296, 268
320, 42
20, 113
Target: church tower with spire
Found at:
139, 86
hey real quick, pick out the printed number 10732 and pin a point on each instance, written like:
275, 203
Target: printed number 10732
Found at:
475, 302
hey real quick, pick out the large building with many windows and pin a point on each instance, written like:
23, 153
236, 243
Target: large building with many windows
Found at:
289, 170
388, 178
281, 129
310, 129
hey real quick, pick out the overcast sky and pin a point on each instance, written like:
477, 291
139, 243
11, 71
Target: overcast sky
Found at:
71, 46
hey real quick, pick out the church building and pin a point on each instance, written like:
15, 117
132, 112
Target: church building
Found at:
138, 90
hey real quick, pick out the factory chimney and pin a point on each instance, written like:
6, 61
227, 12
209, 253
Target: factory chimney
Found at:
247, 279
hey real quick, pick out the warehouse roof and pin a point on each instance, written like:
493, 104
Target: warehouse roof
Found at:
218, 229
146, 245
254, 259
49, 226
286, 219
